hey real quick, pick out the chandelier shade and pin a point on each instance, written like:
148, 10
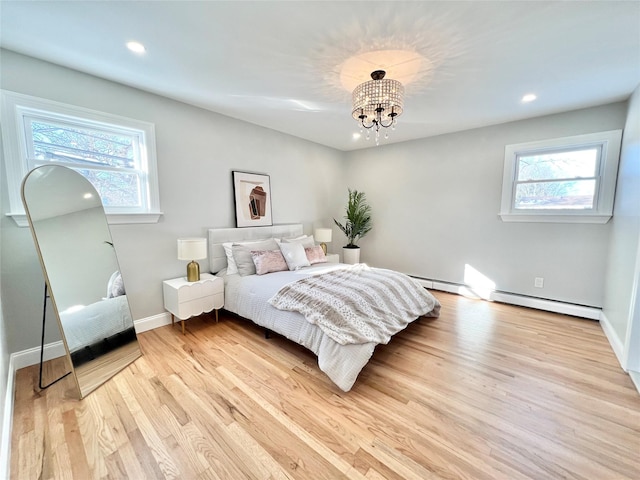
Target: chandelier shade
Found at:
378, 102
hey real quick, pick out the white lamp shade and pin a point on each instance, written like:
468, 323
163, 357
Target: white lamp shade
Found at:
322, 235
192, 248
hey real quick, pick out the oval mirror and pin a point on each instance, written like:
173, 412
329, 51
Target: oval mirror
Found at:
81, 269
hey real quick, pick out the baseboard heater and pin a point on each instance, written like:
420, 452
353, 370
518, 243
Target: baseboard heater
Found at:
576, 310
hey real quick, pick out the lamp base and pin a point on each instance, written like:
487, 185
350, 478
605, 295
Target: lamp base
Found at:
324, 247
193, 271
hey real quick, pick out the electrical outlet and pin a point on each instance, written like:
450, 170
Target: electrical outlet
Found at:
538, 282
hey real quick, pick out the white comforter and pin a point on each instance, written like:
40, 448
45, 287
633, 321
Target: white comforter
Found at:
89, 324
249, 297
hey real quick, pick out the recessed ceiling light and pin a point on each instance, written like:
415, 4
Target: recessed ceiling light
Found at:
136, 47
529, 97
356, 136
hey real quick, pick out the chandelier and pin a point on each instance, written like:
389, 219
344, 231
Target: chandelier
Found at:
377, 103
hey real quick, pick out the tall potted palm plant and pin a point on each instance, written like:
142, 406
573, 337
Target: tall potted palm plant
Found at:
357, 225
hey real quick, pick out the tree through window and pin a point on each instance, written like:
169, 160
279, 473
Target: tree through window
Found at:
569, 179
557, 180
116, 154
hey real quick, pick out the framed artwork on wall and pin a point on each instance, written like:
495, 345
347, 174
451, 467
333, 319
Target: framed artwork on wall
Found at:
252, 196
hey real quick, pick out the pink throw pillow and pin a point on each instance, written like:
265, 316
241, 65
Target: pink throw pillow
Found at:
315, 254
267, 261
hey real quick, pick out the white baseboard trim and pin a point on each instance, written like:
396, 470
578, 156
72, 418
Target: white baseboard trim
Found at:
7, 422
616, 344
582, 311
29, 357
154, 321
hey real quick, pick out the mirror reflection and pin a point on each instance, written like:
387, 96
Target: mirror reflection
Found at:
79, 262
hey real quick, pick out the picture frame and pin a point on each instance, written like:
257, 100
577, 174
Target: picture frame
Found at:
252, 198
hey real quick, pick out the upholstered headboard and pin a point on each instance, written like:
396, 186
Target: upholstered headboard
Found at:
218, 236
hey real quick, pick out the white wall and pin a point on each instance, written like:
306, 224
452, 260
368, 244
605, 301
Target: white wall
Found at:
622, 278
435, 206
197, 150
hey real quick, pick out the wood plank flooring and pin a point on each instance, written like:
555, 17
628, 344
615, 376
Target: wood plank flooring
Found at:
486, 391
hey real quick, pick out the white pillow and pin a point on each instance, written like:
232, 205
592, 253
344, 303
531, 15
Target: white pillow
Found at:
232, 267
115, 286
306, 241
294, 255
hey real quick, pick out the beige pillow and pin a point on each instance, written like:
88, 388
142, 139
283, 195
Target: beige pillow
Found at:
228, 251
242, 254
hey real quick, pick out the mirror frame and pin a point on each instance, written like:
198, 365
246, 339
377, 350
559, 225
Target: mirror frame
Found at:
93, 373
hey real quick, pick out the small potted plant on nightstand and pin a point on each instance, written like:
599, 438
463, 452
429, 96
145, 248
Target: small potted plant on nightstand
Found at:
357, 225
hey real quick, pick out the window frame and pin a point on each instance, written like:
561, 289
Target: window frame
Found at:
607, 169
18, 108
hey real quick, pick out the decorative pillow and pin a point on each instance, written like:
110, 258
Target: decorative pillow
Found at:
115, 286
306, 241
315, 255
294, 255
231, 263
267, 261
232, 268
242, 254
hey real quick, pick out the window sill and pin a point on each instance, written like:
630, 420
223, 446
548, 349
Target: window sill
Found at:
112, 218
550, 218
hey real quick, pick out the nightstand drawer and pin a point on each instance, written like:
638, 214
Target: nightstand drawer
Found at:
194, 307
188, 299
202, 304
195, 290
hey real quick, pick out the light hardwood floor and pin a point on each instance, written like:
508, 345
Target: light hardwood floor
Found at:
486, 391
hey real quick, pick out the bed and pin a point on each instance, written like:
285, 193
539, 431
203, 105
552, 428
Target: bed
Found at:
249, 296
95, 329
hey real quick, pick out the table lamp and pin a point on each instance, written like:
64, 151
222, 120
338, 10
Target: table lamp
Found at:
192, 249
323, 235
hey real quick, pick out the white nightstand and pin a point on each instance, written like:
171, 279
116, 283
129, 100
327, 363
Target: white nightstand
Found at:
333, 258
188, 299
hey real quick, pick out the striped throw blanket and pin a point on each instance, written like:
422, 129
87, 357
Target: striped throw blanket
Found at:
358, 304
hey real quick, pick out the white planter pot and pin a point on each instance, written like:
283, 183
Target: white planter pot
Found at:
351, 255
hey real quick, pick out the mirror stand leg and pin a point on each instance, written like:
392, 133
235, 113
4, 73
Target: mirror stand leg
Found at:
44, 317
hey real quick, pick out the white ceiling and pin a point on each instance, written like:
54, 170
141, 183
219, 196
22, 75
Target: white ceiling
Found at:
278, 63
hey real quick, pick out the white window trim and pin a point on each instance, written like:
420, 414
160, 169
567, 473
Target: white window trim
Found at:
13, 106
610, 142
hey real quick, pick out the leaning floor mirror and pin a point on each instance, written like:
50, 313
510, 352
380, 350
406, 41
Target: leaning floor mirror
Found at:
79, 262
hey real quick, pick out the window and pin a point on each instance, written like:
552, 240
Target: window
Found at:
116, 154
570, 179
